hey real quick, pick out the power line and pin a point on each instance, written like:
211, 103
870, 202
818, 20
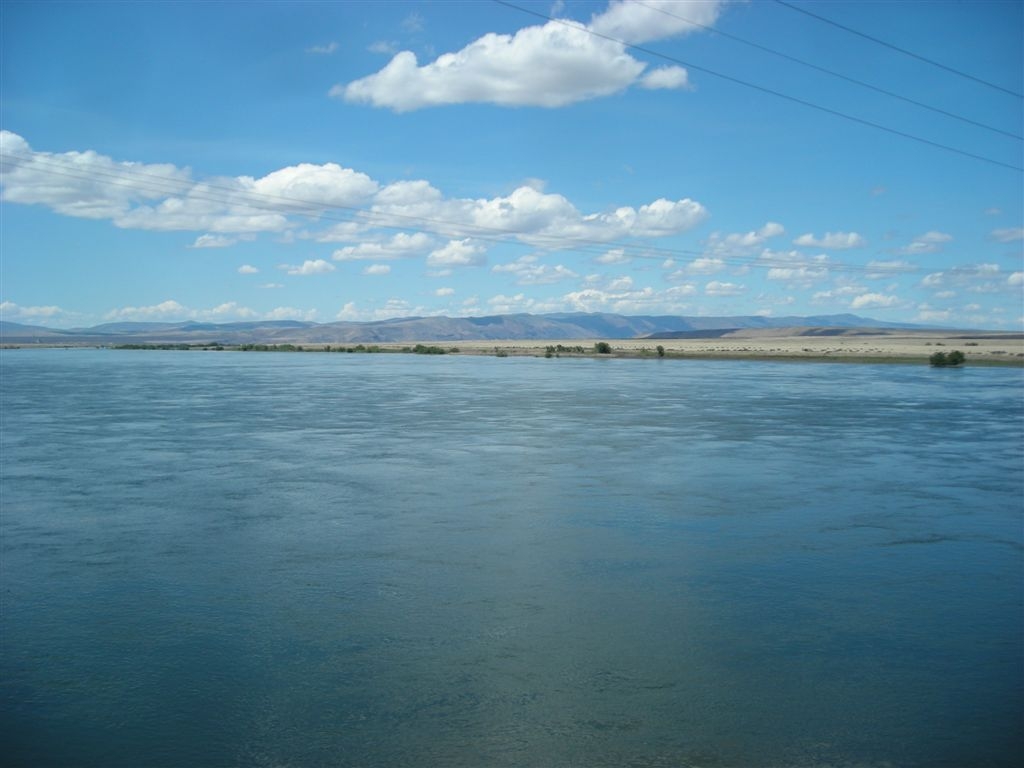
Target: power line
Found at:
282, 204
764, 89
811, 65
904, 51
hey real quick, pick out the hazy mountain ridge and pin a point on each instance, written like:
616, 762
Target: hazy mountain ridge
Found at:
578, 325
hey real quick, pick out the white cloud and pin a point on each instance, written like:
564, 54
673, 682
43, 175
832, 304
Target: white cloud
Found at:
457, 253
173, 311
213, 241
325, 50
226, 311
614, 256
82, 184
15, 313
551, 65
309, 188
400, 245
309, 267
623, 283
836, 241
665, 78
655, 19
377, 269
247, 269
1015, 279
929, 242
742, 243
977, 278
716, 288
227, 210
163, 197
705, 265
840, 292
547, 66
620, 297
1008, 235
794, 267
533, 216
169, 309
528, 271
873, 300
444, 292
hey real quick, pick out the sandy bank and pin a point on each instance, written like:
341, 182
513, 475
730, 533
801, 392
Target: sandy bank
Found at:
983, 347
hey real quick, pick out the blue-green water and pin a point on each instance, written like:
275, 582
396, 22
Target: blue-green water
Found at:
242, 559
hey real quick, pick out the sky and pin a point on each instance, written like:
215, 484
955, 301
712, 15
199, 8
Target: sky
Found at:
329, 161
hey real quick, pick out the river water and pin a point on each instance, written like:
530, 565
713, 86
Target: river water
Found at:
273, 559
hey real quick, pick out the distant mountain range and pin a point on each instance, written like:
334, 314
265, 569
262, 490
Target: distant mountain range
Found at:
573, 325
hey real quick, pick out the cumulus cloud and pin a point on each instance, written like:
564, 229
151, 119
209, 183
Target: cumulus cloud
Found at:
614, 256
550, 65
82, 184
309, 267
533, 216
873, 301
377, 269
742, 243
457, 253
836, 241
705, 265
665, 78
1016, 279
164, 197
228, 210
400, 245
716, 288
213, 241
247, 269
655, 19
13, 312
444, 292
529, 271
793, 266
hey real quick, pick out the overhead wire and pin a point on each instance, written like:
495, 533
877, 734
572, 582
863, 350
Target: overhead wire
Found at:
904, 51
287, 205
832, 73
763, 89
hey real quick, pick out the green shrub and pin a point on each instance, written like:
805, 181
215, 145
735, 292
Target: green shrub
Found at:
603, 348
943, 360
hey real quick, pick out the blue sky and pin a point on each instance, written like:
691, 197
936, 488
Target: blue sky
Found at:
364, 160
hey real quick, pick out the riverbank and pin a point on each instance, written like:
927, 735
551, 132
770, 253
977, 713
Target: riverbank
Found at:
980, 348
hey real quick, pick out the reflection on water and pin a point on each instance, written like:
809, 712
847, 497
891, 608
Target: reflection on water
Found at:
367, 560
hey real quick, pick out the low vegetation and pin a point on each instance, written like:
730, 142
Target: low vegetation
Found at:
944, 360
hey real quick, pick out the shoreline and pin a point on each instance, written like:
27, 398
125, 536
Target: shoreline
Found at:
980, 348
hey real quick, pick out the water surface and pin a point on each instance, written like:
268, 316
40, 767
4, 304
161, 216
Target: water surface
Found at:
261, 559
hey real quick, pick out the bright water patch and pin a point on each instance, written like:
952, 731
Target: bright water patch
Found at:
257, 559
